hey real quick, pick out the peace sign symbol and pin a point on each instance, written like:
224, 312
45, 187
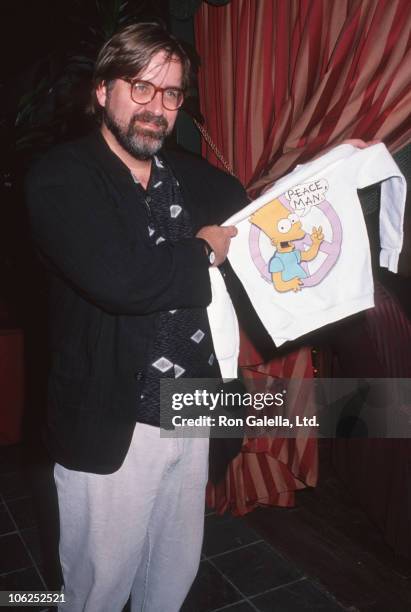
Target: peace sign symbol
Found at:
331, 248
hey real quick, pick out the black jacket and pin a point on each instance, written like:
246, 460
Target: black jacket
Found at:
107, 284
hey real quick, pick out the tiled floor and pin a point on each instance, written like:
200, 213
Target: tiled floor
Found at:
20, 552
239, 571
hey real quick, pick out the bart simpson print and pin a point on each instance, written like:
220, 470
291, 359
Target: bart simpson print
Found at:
283, 227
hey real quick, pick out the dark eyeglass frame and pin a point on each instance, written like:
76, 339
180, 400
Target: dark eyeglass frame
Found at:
155, 90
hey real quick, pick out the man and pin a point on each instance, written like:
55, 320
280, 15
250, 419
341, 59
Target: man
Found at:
128, 233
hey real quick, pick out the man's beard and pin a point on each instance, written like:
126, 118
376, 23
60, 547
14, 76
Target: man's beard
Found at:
139, 142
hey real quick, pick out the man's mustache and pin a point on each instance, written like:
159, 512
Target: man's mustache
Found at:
147, 117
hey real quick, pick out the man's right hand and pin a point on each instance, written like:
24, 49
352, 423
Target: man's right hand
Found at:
219, 239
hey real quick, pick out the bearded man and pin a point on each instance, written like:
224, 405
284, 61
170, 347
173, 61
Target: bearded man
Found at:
127, 232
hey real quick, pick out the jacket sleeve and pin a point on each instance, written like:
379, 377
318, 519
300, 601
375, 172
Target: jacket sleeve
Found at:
79, 233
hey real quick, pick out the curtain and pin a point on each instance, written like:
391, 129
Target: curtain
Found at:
282, 80
377, 472
268, 471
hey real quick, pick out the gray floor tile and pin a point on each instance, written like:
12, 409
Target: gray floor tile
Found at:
31, 537
303, 596
224, 533
6, 524
24, 580
243, 606
256, 568
13, 555
209, 591
23, 512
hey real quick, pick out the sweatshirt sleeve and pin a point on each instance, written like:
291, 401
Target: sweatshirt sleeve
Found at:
375, 165
82, 238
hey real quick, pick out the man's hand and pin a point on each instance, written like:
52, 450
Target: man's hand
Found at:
360, 144
355, 142
219, 239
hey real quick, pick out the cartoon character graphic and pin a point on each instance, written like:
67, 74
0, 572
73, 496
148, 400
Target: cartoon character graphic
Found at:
283, 227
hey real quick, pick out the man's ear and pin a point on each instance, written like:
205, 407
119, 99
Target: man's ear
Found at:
101, 93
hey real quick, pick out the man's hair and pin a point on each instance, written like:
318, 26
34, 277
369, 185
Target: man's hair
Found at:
128, 52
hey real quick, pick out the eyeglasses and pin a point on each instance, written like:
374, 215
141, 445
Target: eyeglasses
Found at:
142, 92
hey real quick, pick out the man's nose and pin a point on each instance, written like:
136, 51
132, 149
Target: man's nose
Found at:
155, 106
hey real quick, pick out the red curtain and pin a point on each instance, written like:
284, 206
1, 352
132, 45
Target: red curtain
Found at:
268, 471
282, 80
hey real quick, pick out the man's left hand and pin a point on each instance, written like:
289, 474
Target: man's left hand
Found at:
360, 144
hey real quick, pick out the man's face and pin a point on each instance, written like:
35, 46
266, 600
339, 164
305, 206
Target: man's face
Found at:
141, 129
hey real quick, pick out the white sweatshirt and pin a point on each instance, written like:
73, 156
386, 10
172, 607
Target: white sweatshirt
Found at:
224, 326
304, 258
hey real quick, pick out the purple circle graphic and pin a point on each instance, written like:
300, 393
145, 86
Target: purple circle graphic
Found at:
330, 248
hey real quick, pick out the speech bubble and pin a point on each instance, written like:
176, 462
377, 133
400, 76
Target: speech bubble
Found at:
303, 197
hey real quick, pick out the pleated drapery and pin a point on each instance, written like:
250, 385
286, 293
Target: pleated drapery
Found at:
281, 80
269, 470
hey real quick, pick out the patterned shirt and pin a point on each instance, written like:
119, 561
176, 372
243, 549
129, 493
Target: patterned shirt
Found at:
182, 345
